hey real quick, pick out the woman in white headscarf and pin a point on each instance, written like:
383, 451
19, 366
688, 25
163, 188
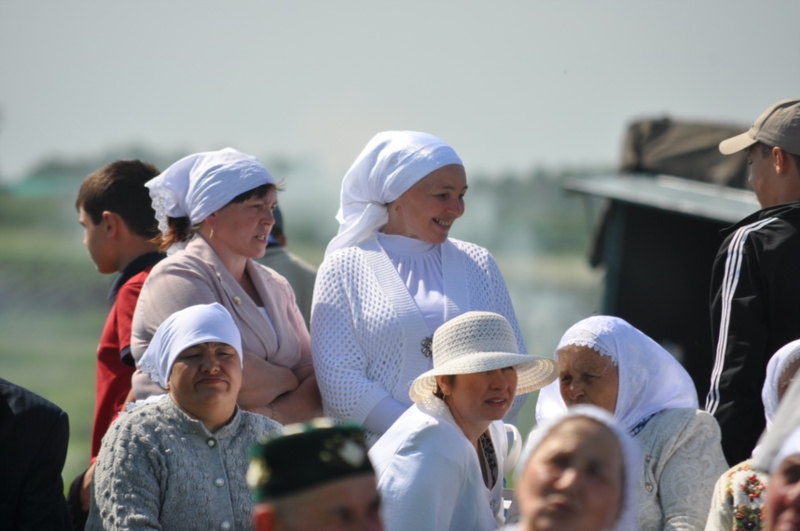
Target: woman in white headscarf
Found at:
607, 362
578, 472
215, 213
392, 276
180, 461
740, 493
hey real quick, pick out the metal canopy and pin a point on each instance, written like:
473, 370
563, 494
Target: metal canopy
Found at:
673, 194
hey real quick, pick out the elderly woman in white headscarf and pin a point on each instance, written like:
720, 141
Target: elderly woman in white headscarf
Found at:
578, 472
392, 276
215, 213
179, 462
440, 467
740, 493
607, 362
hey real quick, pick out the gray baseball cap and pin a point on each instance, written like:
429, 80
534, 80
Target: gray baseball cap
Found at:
777, 126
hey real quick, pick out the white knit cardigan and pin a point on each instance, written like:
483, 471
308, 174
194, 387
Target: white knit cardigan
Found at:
366, 329
682, 461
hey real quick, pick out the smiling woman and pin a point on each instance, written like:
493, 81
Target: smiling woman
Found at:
392, 276
215, 213
144, 480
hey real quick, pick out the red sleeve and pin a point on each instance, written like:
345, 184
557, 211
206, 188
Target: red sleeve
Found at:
126, 304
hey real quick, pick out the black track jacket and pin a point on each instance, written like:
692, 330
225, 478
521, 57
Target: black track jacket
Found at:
755, 310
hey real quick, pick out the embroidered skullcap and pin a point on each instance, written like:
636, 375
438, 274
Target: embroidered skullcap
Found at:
778, 364
650, 378
390, 164
203, 323
631, 456
305, 456
790, 446
198, 185
477, 342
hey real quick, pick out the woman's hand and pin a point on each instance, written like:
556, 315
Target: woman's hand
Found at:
300, 405
263, 382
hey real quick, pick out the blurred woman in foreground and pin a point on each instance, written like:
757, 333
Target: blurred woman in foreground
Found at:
441, 465
392, 276
578, 472
215, 213
782, 508
179, 463
607, 362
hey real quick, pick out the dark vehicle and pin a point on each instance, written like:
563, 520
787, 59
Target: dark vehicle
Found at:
659, 233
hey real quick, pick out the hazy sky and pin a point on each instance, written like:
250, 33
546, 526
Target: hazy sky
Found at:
509, 84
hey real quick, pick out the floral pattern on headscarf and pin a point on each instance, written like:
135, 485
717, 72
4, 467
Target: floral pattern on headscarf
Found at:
650, 378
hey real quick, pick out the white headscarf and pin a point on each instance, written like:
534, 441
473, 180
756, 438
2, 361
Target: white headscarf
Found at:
778, 363
650, 378
631, 455
790, 446
391, 163
198, 185
203, 323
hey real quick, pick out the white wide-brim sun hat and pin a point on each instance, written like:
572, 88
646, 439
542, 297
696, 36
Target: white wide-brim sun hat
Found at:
478, 342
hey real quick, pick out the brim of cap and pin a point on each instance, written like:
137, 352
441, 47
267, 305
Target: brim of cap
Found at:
533, 372
736, 144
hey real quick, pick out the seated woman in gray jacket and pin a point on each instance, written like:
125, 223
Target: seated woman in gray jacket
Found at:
179, 462
608, 363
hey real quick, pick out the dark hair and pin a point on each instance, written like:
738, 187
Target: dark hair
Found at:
766, 150
119, 187
450, 378
179, 229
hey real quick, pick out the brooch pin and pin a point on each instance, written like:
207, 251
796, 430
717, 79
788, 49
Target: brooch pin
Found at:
426, 344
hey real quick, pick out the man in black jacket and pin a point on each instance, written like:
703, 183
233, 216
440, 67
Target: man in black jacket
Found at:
755, 284
33, 446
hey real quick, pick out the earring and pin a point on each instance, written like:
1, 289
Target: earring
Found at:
210, 236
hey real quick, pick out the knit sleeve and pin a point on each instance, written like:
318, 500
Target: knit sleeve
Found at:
125, 488
490, 293
720, 517
690, 468
502, 299
340, 363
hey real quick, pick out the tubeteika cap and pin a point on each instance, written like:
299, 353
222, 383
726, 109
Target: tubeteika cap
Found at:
478, 342
777, 126
305, 456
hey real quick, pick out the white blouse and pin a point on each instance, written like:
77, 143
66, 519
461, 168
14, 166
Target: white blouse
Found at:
419, 265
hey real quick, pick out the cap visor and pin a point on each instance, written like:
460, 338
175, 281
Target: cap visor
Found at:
736, 144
